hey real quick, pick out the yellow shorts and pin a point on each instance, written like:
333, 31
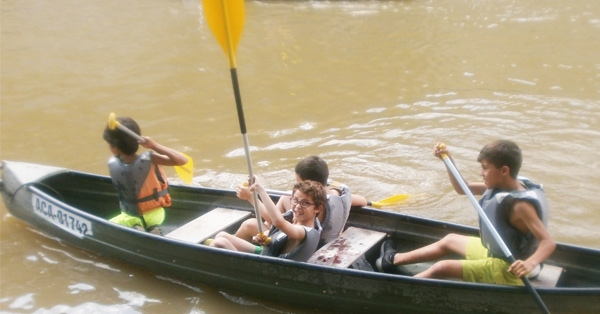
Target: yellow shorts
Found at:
478, 267
152, 218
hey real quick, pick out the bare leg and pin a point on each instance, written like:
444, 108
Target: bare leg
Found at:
452, 243
231, 242
247, 230
443, 269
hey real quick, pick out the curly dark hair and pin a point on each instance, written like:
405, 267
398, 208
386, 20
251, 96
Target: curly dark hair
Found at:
314, 190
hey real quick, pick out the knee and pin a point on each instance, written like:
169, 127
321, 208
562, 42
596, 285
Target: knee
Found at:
450, 237
450, 240
438, 270
219, 241
247, 224
247, 229
443, 270
221, 235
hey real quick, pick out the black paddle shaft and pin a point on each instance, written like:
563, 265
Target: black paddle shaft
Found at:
238, 100
531, 289
240, 111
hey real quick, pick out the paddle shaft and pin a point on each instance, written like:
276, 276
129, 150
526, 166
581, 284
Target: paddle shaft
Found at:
378, 204
490, 226
131, 133
238, 104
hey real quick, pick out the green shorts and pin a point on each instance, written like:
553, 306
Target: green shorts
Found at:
478, 267
152, 218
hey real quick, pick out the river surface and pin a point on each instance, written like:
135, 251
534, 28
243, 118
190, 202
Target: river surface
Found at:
370, 86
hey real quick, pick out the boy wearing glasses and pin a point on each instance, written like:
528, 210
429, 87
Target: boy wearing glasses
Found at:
332, 218
294, 234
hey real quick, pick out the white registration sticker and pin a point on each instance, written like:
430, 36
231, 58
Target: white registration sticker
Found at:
61, 217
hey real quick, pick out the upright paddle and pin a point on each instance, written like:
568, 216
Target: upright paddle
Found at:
490, 226
226, 20
185, 172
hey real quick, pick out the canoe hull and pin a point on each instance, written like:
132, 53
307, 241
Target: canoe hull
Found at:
29, 199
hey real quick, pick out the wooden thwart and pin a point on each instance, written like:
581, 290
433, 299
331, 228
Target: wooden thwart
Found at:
347, 248
548, 276
208, 224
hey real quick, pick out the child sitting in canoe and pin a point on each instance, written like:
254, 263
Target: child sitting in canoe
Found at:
332, 218
294, 234
517, 209
139, 179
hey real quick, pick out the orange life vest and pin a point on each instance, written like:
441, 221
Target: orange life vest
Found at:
142, 185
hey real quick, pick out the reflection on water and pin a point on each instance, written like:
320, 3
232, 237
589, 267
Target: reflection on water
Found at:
370, 86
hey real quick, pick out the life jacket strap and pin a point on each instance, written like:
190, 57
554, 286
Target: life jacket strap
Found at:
154, 196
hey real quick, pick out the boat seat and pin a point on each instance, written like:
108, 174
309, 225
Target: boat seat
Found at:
548, 277
208, 224
347, 248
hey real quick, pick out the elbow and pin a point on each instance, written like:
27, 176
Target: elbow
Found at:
549, 245
182, 161
552, 245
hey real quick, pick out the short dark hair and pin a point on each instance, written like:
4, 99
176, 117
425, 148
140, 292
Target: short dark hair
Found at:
314, 190
313, 168
121, 140
503, 153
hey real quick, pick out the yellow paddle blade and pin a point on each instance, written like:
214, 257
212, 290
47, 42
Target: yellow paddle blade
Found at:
112, 122
226, 20
390, 200
186, 172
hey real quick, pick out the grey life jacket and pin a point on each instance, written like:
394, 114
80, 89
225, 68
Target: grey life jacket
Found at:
496, 205
142, 186
301, 253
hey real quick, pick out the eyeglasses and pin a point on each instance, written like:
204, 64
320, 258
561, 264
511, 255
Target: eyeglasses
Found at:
302, 203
